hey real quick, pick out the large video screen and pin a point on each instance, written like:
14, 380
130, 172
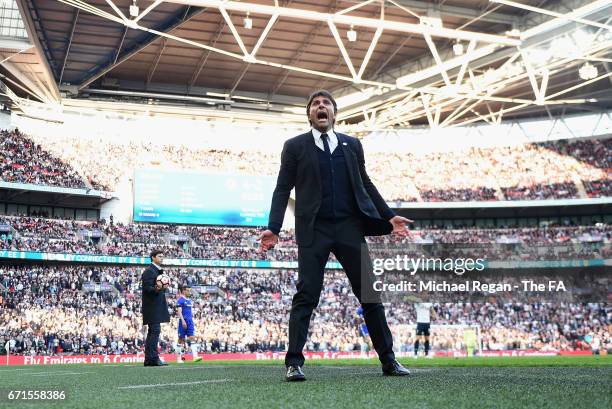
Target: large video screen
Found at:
189, 197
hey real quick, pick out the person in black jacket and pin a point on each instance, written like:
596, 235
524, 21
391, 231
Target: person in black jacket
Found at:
154, 308
336, 205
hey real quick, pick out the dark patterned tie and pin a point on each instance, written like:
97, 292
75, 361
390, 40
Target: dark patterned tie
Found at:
325, 138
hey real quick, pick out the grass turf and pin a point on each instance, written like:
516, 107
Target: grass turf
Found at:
521, 382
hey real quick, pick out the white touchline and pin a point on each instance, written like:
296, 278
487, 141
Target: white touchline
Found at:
34, 373
20, 369
173, 384
191, 368
60, 373
336, 367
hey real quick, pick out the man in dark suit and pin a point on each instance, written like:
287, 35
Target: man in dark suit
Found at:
154, 308
336, 205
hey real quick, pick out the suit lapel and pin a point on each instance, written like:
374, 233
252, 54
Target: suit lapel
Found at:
311, 152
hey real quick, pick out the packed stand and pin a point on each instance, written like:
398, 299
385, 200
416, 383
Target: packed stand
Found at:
52, 310
24, 161
233, 243
109, 163
566, 190
483, 194
84, 237
598, 188
534, 171
595, 152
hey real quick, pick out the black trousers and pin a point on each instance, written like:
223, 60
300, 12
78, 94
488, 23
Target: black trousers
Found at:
151, 342
345, 239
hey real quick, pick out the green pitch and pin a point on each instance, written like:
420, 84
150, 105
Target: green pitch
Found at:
544, 382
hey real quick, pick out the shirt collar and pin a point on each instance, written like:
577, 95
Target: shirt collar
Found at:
317, 134
158, 267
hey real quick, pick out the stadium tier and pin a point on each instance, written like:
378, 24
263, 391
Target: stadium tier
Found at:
533, 171
204, 202
24, 161
58, 310
79, 308
35, 234
76, 308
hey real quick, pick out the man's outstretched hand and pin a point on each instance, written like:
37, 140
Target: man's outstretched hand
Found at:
268, 240
400, 225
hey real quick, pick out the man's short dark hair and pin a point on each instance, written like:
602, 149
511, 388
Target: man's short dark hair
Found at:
154, 253
320, 93
182, 287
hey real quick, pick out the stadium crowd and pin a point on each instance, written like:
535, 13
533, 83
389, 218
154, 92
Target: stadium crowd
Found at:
56, 309
23, 161
232, 243
551, 170
65, 309
565, 190
483, 194
598, 188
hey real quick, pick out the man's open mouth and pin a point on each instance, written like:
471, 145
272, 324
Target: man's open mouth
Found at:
322, 115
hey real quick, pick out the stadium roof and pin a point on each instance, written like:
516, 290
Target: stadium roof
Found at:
442, 63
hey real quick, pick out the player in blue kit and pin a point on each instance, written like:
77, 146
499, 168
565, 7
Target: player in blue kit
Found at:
186, 327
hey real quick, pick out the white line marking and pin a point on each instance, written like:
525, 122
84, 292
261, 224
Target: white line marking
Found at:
20, 369
59, 373
340, 367
189, 368
47, 372
157, 385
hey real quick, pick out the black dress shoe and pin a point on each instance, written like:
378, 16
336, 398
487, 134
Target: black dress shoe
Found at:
294, 373
394, 368
155, 363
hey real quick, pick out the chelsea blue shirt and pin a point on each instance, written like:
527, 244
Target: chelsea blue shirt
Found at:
186, 305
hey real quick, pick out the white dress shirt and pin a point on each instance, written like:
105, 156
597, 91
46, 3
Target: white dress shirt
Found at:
333, 139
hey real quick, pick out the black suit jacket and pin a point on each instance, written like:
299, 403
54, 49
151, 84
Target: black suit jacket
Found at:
300, 169
154, 306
